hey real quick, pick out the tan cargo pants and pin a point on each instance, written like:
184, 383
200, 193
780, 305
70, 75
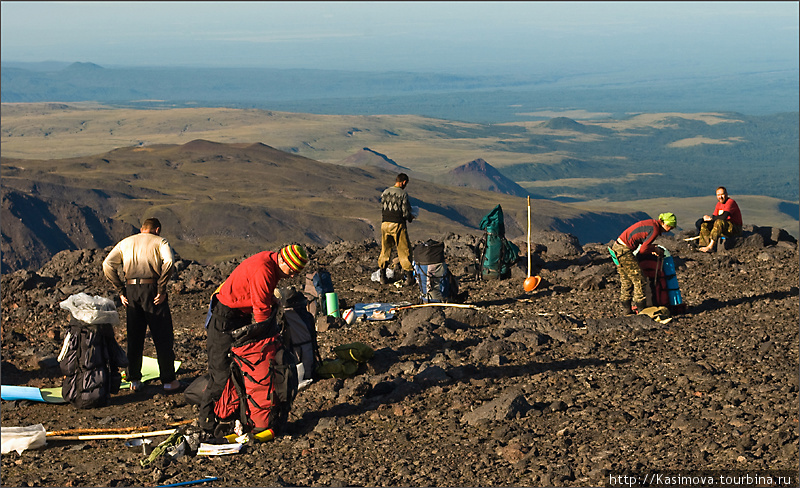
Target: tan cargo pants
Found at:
395, 235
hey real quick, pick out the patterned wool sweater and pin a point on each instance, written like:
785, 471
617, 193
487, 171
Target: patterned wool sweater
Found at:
395, 205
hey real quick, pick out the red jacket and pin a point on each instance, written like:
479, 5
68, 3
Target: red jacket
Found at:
642, 234
732, 208
251, 285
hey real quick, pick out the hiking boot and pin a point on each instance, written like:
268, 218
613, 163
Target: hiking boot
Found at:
384, 279
641, 306
626, 307
172, 386
205, 435
136, 385
410, 280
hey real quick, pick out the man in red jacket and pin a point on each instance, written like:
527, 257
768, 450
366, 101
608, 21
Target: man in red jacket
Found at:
726, 221
245, 297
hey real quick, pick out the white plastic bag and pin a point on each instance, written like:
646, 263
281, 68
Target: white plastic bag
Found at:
92, 310
376, 276
21, 438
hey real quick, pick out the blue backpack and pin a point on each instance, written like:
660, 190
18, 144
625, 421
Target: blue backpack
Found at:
436, 283
318, 284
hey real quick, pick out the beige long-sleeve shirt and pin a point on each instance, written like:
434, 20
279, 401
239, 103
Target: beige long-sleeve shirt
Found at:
142, 255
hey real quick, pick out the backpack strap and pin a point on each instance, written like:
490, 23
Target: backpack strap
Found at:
481, 255
237, 378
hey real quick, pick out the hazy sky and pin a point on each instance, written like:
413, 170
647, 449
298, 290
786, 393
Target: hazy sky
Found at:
440, 36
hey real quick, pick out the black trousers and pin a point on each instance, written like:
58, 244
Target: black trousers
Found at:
218, 347
141, 314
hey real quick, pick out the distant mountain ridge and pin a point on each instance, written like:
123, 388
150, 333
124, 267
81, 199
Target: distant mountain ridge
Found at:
172, 164
78, 66
217, 201
368, 157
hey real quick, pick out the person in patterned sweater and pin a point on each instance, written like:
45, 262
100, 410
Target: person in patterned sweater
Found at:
396, 212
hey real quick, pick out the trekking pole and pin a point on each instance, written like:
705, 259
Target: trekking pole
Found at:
195, 482
531, 282
455, 305
111, 429
529, 236
109, 436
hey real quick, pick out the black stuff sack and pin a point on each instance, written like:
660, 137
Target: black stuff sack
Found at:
299, 331
429, 252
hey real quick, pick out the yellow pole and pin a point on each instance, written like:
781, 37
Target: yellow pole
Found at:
529, 236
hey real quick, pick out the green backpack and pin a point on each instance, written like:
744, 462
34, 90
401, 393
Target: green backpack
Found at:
496, 254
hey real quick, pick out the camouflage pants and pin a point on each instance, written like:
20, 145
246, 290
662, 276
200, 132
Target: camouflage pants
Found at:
712, 229
633, 285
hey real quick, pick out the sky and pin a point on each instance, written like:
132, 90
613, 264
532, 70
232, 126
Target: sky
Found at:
504, 37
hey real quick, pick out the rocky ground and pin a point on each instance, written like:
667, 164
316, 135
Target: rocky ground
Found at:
548, 388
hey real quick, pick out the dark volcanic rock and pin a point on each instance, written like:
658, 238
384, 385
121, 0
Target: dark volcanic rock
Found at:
548, 388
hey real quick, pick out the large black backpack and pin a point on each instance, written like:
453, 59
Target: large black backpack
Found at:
90, 360
299, 332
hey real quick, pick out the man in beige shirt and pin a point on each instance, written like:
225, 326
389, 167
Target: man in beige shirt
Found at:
146, 260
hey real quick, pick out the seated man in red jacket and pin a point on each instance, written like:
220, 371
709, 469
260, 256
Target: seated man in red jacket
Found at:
726, 221
245, 297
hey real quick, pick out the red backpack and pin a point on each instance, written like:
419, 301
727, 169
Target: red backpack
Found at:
263, 374
651, 268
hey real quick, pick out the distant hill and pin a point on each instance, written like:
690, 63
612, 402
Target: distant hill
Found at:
481, 175
559, 123
368, 157
565, 123
36, 228
84, 67
219, 201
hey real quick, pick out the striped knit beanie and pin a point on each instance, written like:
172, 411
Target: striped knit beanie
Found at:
295, 256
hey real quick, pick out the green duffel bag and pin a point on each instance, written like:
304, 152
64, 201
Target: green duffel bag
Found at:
337, 368
356, 351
